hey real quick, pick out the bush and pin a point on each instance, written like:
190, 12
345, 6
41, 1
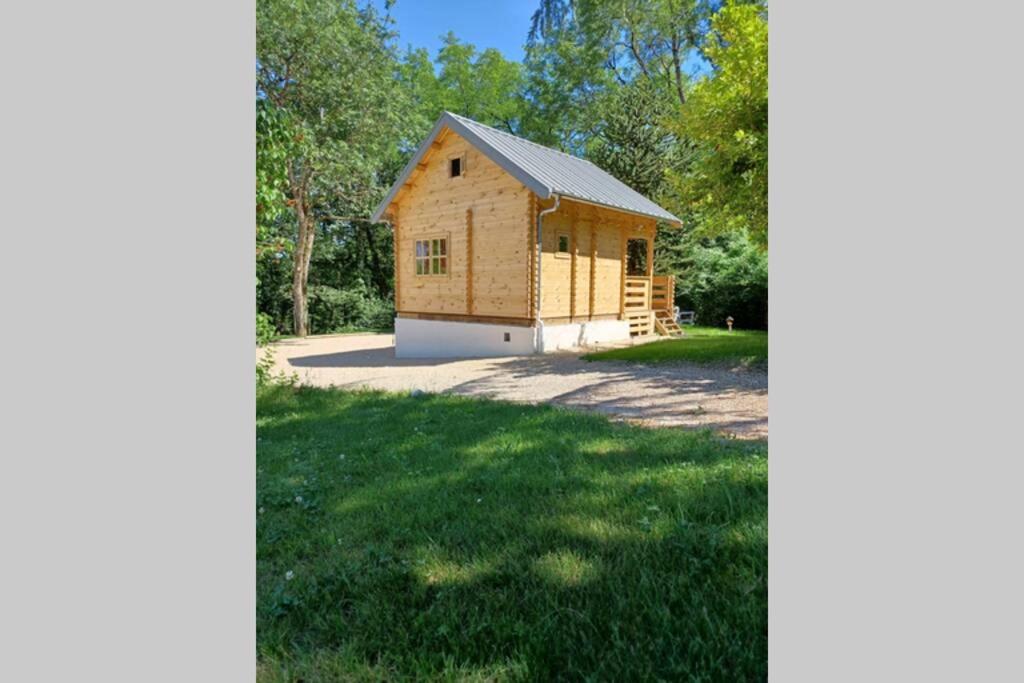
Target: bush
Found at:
726, 276
337, 310
265, 332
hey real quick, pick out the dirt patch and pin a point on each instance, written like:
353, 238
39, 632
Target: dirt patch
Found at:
733, 401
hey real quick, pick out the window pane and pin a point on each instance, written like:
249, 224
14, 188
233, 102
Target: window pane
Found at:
419, 267
436, 266
444, 247
563, 243
444, 265
421, 249
434, 248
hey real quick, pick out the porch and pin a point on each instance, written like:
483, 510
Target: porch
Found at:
648, 305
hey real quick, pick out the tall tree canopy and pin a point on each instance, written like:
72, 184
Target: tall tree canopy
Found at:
483, 86
725, 188
329, 67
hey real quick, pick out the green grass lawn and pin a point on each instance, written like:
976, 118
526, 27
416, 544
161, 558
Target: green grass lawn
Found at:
700, 345
445, 538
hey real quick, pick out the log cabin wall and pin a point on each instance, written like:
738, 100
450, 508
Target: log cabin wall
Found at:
485, 204
586, 282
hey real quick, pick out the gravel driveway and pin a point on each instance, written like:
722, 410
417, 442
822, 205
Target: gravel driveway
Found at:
734, 402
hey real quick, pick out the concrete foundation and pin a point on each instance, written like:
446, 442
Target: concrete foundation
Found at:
416, 338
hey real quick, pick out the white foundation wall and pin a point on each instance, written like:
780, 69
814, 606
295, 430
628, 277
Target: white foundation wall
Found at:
447, 339
416, 338
576, 335
604, 331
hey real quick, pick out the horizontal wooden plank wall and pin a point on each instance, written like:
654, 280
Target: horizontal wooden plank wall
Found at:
455, 317
436, 205
587, 283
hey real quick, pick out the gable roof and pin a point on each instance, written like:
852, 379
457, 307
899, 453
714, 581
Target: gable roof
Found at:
545, 171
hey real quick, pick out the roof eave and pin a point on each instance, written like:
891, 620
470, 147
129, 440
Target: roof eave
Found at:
670, 219
403, 177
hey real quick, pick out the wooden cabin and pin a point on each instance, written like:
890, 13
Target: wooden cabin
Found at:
506, 247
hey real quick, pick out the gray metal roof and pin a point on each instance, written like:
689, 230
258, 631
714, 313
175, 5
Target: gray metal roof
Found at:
545, 171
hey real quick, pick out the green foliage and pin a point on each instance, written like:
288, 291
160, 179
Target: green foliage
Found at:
725, 276
339, 310
265, 332
336, 304
483, 86
444, 538
272, 140
329, 67
699, 345
629, 141
581, 50
726, 117
717, 277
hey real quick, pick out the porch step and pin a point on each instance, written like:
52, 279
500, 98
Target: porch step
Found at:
640, 323
666, 325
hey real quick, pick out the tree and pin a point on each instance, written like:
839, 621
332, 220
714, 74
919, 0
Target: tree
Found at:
578, 50
725, 188
630, 141
483, 86
329, 67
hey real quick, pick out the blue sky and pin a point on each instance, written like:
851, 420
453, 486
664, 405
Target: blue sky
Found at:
502, 24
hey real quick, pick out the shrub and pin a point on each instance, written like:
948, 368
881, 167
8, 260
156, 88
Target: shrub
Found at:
726, 276
379, 314
265, 332
337, 310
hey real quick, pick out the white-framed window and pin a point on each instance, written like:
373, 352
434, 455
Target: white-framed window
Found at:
432, 256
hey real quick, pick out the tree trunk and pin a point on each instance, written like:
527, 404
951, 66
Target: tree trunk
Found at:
677, 63
301, 258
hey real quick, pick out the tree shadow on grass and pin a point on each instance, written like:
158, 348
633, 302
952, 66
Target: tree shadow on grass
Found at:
468, 536
665, 394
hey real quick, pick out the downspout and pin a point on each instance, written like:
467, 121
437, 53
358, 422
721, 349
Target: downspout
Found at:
538, 340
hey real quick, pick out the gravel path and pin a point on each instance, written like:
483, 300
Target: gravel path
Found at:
734, 402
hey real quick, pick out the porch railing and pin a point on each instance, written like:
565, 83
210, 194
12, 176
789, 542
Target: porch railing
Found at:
637, 304
638, 293
663, 292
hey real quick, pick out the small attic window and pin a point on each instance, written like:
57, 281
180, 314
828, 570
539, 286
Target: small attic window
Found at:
455, 167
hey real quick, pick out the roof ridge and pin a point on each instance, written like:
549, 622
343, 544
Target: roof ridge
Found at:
521, 139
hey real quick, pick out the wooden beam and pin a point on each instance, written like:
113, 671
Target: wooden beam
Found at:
650, 253
623, 237
531, 230
593, 269
398, 268
573, 251
469, 261
460, 317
